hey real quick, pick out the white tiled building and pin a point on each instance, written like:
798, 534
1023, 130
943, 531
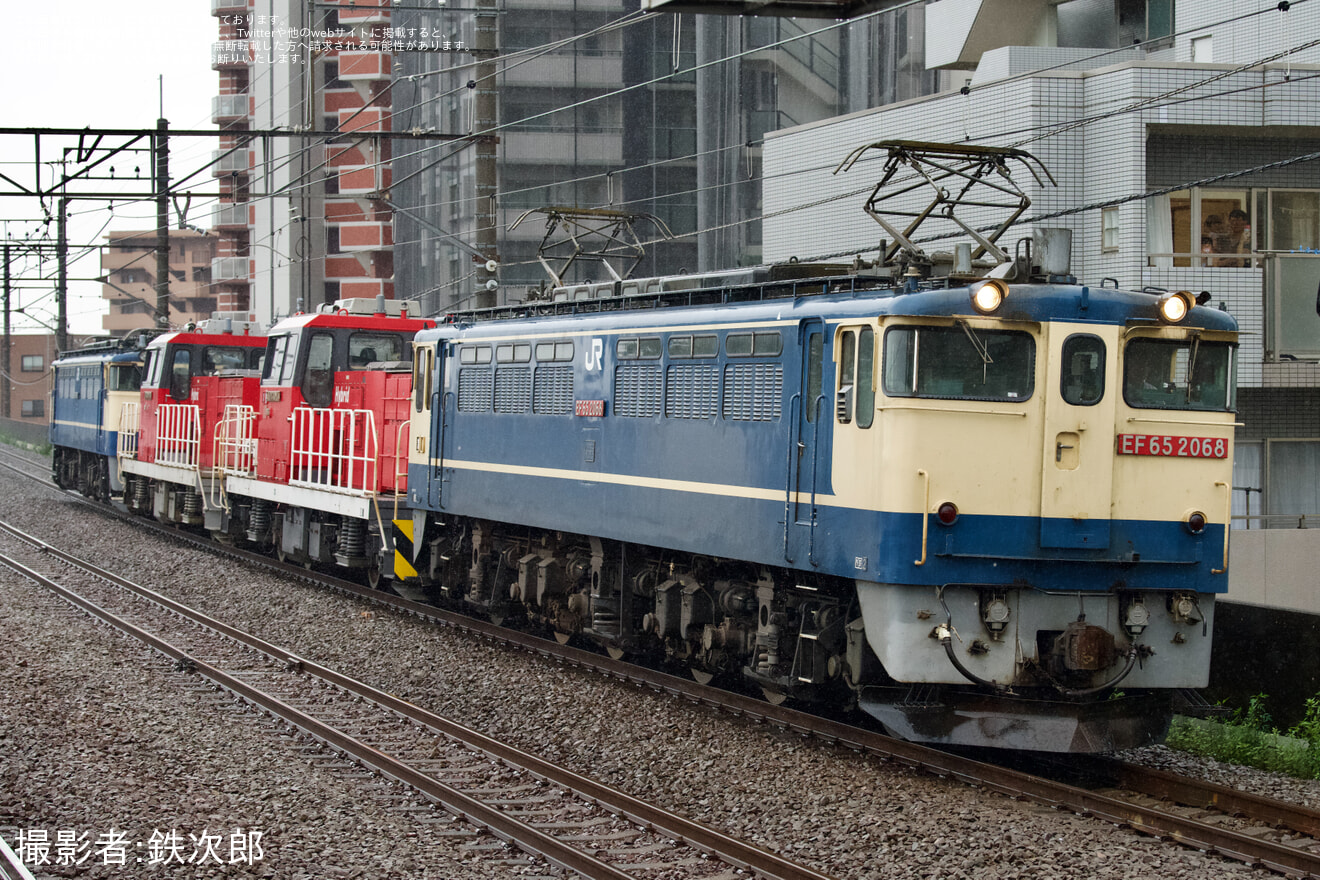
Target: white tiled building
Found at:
1156, 134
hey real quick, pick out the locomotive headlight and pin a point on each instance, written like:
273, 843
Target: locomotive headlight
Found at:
1174, 307
988, 295
1195, 522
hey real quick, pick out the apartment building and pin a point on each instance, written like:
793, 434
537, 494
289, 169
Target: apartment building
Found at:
302, 219
128, 267
657, 117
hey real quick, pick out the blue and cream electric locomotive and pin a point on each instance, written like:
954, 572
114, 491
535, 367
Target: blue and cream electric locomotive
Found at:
973, 509
90, 387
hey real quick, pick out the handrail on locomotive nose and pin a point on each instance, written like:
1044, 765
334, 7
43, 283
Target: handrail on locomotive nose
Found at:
1228, 522
925, 517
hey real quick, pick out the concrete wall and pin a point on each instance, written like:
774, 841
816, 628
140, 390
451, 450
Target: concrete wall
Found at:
1279, 568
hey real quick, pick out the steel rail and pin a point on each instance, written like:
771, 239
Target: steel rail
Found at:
11, 867
1211, 795
1145, 820
737, 853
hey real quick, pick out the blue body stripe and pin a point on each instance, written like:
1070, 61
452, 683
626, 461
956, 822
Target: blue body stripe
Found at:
870, 545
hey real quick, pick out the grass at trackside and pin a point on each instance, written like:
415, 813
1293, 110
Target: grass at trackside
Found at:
10, 440
1248, 737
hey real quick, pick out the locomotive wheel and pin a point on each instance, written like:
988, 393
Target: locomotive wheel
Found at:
615, 652
374, 575
774, 697
562, 638
701, 675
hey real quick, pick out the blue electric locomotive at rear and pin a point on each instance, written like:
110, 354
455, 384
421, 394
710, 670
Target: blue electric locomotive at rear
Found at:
89, 389
972, 510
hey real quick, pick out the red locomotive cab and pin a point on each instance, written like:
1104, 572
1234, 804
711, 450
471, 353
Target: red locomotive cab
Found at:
182, 399
334, 399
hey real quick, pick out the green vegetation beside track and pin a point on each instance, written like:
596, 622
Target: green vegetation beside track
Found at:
1248, 736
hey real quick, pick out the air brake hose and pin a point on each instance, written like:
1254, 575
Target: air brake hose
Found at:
944, 632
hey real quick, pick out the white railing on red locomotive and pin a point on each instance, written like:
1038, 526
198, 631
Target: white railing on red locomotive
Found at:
400, 486
235, 446
334, 449
127, 446
178, 429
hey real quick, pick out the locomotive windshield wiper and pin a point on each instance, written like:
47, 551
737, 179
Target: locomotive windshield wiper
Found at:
979, 345
1191, 364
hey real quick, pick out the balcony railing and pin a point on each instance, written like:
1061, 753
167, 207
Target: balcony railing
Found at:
229, 107
230, 216
229, 269
230, 162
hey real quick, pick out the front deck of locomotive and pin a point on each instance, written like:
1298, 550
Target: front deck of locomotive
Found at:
1053, 510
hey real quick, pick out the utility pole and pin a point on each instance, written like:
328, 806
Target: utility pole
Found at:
162, 155
62, 280
484, 120
5, 349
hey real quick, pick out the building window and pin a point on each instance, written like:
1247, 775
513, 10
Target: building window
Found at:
1276, 483
34, 408
1109, 230
1229, 228
1143, 20
33, 363
1202, 227
1292, 324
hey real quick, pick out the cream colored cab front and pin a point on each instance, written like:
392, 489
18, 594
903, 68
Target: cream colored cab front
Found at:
905, 442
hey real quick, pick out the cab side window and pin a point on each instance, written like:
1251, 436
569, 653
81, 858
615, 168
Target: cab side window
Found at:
318, 384
855, 400
180, 388
847, 358
865, 394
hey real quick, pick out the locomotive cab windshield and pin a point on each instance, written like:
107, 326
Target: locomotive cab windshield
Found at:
173, 364
1189, 374
309, 357
959, 363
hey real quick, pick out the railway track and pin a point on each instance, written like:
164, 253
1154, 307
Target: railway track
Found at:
1150, 802
545, 810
